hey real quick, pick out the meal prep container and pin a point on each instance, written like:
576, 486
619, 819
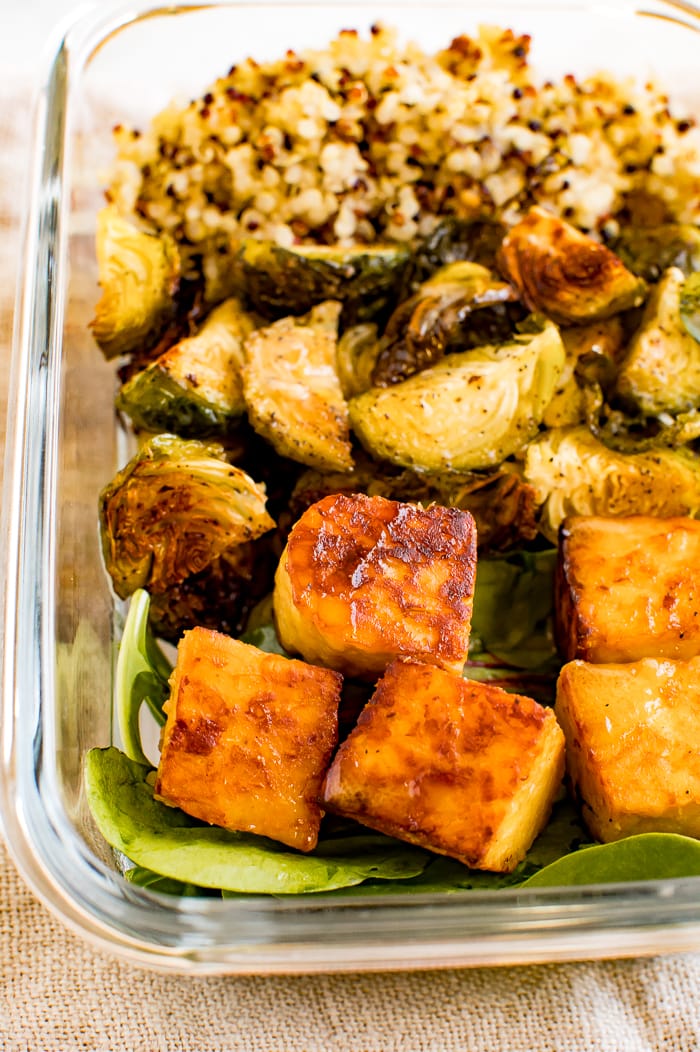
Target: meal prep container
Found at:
61, 624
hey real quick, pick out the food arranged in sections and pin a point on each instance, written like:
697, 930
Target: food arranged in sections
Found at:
408, 344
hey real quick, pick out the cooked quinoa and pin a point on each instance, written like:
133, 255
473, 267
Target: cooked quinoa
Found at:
372, 139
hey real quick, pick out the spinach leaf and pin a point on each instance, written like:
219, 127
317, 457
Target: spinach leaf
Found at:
170, 843
141, 677
646, 856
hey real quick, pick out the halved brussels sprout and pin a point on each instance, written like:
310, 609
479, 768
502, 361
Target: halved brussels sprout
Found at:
573, 473
281, 281
175, 508
661, 372
564, 273
450, 311
592, 353
454, 239
470, 411
292, 389
139, 274
220, 596
194, 388
650, 250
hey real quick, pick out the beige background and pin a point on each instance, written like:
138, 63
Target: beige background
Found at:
57, 994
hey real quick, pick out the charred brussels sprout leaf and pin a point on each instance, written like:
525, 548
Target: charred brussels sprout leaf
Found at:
194, 388
292, 390
139, 275
470, 411
174, 509
462, 305
573, 473
662, 369
281, 281
566, 274
649, 251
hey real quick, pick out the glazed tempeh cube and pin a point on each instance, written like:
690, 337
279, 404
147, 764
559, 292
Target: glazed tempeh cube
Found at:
628, 588
632, 745
365, 579
248, 738
459, 767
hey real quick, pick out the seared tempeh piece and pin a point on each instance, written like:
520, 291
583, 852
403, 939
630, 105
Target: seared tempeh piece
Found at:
628, 588
631, 745
248, 738
459, 767
365, 579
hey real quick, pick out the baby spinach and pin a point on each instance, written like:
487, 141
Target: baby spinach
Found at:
168, 842
141, 676
646, 856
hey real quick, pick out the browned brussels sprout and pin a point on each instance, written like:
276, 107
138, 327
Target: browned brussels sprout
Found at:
573, 473
661, 372
175, 508
195, 387
468, 412
220, 596
455, 239
462, 305
281, 281
649, 251
565, 274
139, 275
292, 390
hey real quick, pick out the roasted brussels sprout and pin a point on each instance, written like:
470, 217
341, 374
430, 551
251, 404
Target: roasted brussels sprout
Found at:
356, 356
175, 508
220, 596
460, 306
573, 473
281, 281
592, 354
650, 250
566, 274
139, 275
470, 411
454, 239
194, 388
661, 372
292, 390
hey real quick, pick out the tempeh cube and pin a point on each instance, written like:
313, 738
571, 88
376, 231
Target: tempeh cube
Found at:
632, 745
628, 588
459, 767
248, 738
365, 579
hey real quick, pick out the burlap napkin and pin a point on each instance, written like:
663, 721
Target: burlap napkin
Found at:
57, 994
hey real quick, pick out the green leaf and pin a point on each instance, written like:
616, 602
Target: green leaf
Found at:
170, 843
264, 637
141, 677
563, 833
146, 878
646, 856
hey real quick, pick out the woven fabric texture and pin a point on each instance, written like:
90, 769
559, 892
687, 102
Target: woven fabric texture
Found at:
58, 995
